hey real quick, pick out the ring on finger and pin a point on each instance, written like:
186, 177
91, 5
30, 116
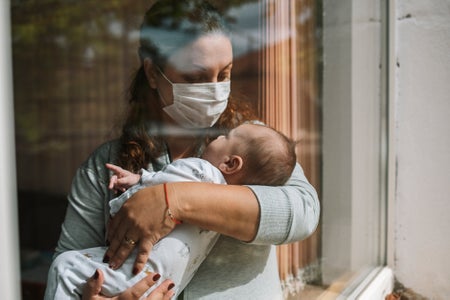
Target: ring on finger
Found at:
129, 241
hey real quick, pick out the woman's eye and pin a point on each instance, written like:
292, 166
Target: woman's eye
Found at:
224, 77
199, 78
192, 78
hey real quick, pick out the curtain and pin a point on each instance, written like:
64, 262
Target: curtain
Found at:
289, 103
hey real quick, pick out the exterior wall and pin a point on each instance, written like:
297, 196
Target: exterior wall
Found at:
422, 143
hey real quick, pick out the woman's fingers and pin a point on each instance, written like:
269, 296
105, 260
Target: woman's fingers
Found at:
144, 284
162, 292
145, 246
141, 221
123, 251
121, 245
93, 286
113, 237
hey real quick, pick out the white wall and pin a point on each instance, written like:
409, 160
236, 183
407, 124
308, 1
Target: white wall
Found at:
422, 143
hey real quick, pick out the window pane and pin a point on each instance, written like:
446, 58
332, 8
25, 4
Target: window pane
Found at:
73, 62
353, 143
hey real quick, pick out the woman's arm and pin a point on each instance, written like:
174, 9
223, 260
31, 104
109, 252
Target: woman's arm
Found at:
84, 223
289, 213
87, 212
231, 210
260, 214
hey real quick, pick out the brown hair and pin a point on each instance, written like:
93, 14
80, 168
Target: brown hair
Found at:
267, 160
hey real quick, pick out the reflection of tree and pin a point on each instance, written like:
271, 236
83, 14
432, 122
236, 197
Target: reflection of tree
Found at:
72, 63
54, 44
70, 23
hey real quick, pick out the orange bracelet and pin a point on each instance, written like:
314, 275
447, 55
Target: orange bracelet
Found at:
175, 220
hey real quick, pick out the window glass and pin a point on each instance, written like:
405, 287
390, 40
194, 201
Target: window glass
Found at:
73, 61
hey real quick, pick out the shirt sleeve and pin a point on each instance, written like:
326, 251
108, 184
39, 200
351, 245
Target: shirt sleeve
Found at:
288, 213
84, 223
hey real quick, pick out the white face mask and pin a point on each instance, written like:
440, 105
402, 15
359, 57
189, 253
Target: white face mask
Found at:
197, 105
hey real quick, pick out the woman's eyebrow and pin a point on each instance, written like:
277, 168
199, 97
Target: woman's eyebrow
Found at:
199, 67
227, 66
203, 68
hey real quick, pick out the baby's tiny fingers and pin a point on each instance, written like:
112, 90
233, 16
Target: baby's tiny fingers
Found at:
112, 182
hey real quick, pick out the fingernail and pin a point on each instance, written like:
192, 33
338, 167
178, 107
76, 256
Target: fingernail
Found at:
112, 266
96, 275
135, 271
106, 259
170, 286
156, 277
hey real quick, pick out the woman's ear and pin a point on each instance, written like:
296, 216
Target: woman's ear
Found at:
232, 165
150, 72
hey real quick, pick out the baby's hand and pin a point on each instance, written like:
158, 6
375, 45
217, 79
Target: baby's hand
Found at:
121, 179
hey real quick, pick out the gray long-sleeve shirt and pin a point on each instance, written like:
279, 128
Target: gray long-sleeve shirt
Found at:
233, 269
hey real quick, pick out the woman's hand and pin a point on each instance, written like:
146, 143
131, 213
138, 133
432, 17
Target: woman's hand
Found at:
164, 291
142, 221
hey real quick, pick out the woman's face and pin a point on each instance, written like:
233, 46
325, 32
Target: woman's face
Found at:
208, 59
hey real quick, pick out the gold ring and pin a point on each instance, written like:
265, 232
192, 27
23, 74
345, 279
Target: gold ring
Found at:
130, 241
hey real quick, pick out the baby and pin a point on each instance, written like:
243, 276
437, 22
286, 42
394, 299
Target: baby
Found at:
249, 154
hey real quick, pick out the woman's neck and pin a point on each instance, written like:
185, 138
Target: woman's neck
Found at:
181, 147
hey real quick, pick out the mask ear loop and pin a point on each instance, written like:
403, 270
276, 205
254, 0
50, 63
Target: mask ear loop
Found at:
164, 75
157, 89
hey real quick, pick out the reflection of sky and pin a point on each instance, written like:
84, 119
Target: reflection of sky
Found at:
246, 32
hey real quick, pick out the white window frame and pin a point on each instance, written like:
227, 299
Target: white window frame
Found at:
348, 41
9, 224
357, 148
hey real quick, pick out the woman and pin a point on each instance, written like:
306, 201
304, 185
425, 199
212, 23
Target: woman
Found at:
178, 102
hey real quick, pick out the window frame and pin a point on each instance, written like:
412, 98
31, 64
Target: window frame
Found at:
9, 224
357, 33
10, 273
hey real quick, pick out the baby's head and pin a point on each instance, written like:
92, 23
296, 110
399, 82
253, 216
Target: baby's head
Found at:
253, 154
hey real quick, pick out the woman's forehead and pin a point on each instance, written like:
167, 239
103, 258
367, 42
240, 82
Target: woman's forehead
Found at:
212, 51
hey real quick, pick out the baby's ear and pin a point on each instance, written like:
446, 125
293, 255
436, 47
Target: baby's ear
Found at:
150, 72
232, 165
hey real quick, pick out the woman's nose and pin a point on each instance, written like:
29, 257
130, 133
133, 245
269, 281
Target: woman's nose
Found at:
213, 79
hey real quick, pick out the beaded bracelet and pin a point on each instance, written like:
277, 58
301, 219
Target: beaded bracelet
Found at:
171, 216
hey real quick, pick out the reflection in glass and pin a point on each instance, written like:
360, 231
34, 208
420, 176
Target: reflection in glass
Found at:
73, 61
